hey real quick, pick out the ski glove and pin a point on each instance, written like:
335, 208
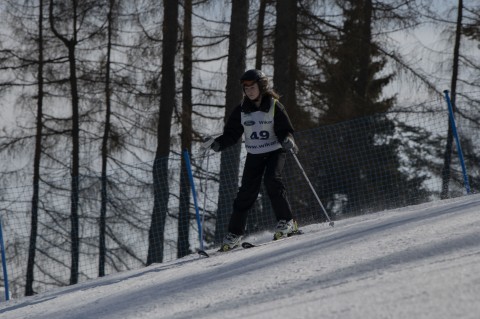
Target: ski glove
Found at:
289, 144
210, 143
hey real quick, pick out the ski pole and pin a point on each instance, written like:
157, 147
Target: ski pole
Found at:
311, 187
202, 252
194, 194
4, 263
205, 181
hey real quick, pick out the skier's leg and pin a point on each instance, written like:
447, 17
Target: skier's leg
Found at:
247, 193
275, 187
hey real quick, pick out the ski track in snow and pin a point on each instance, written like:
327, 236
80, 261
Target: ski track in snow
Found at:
417, 262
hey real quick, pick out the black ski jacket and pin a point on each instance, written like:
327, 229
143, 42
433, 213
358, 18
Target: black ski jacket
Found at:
233, 129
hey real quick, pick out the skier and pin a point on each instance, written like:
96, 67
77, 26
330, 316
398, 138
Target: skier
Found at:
268, 136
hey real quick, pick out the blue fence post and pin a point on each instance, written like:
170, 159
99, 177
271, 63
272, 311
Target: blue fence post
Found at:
457, 141
4, 263
194, 194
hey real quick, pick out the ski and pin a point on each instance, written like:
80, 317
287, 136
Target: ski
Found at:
225, 248
222, 249
247, 245
203, 253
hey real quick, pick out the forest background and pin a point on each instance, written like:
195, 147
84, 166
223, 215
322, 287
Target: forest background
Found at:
92, 87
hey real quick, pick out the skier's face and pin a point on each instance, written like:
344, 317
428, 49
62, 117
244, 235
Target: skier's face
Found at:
251, 89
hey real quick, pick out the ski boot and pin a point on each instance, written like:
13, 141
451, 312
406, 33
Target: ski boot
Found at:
285, 229
230, 242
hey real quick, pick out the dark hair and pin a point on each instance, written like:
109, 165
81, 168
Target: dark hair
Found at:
272, 93
262, 80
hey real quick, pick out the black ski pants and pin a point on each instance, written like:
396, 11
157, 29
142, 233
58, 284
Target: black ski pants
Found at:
257, 165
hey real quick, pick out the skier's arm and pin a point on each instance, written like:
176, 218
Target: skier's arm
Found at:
282, 126
232, 131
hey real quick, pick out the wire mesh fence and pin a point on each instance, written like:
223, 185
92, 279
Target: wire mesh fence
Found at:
365, 165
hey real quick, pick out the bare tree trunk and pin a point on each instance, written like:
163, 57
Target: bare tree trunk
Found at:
285, 58
260, 34
167, 103
36, 162
447, 158
183, 244
105, 138
237, 50
74, 222
75, 238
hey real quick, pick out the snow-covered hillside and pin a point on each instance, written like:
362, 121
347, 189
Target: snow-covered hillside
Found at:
417, 262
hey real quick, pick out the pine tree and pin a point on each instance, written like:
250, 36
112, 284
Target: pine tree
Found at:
352, 88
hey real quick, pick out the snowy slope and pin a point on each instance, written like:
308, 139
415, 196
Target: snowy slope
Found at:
417, 262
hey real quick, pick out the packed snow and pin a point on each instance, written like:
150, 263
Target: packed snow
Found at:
416, 262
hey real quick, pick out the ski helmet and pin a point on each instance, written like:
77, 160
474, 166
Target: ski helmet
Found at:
256, 76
